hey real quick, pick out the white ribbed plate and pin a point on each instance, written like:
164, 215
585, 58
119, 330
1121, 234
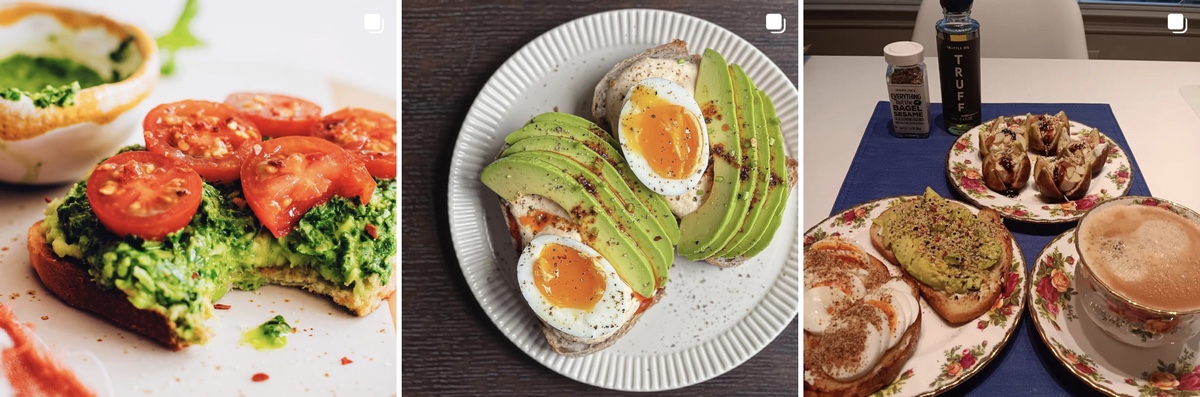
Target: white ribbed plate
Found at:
711, 320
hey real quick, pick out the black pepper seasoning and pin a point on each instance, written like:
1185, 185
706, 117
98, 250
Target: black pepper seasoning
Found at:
908, 89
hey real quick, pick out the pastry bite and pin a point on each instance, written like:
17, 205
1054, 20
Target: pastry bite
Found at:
1006, 167
1044, 131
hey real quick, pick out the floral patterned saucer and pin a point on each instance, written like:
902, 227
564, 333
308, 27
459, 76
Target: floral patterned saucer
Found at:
963, 169
1112, 367
945, 355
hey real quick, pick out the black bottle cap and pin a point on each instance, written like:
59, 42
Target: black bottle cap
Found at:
956, 5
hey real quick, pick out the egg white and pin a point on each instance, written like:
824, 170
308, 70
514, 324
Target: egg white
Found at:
616, 307
676, 94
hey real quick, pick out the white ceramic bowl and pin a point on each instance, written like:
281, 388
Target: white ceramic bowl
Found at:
60, 144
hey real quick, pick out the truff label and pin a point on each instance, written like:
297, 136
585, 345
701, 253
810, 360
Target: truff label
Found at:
910, 107
958, 64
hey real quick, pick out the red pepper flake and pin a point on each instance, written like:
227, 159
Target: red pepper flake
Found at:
44, 318
4, 249
346, 361
47, 198
195, 276
221, 306
372, 231
259, 377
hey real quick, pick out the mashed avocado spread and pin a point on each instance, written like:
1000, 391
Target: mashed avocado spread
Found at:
45, 80
222, 248
940, 243
269, 336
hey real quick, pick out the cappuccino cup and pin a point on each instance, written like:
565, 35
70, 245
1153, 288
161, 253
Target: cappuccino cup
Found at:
1138, 274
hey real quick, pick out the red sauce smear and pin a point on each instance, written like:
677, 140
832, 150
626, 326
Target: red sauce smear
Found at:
30, 371
259, 377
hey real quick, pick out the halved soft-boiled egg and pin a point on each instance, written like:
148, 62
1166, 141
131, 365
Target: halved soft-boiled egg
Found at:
663, 136
573, 288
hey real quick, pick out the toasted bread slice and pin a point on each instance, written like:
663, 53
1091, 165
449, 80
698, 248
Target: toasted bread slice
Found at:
819, 384
69, 280
610, 93
958, 309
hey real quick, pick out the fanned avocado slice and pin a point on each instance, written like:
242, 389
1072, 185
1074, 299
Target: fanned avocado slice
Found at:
777, 191
656, 203
704, 232
570, 120
758, 160
513, 177
577, 160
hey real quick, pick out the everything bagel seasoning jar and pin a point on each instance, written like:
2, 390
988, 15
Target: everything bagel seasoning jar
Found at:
908, 89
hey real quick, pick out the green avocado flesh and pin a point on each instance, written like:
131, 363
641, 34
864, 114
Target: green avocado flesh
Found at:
605, 148
516, 175
706, 231
755, 163
270, 335
637, 222
940, 243
777, 180
47, 81
223, 247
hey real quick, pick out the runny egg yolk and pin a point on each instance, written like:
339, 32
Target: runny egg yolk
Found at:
566, 278
667, 135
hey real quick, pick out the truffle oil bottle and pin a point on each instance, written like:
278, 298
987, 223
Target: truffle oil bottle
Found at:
958, 66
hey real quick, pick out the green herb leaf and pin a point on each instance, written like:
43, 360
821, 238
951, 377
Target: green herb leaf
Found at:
179, 37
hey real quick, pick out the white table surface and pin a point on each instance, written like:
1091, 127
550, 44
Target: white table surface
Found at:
840, 94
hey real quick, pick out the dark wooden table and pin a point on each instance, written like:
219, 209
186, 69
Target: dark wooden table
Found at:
449, 50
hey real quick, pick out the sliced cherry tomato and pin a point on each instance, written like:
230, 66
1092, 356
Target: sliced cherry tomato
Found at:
285, 177
367, 134
276, 115
209, 136
144, 194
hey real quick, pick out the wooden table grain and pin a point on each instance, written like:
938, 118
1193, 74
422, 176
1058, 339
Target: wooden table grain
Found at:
449, 49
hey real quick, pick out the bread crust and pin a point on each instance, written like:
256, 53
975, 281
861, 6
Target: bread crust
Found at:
886, 370
69, 280
676, 49
958, 309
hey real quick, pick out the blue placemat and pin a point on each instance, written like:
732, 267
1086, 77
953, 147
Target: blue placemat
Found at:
887, 166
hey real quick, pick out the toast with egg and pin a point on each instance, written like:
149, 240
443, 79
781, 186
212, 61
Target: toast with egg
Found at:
839, 328
958, 308
743, 216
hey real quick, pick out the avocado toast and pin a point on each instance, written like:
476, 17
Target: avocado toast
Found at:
957, 258
620, 193
121, 245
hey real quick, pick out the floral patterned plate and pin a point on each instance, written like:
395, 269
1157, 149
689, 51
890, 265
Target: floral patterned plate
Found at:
963, 169
1112, 367
945, 355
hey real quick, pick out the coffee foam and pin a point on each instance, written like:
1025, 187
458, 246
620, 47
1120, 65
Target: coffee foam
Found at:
1148, 254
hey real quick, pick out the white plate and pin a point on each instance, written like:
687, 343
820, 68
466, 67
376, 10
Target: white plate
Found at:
1093, 356
711, 320
139, 367
941, 360
963, 165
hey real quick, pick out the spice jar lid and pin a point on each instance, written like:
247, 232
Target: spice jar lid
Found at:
904, 53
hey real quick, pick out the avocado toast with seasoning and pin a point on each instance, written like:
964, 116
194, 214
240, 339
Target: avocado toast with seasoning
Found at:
156, 234
957, 258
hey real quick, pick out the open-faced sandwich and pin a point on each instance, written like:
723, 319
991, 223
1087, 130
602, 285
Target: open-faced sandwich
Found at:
957, 258
595, 207
258, 190
861, 322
